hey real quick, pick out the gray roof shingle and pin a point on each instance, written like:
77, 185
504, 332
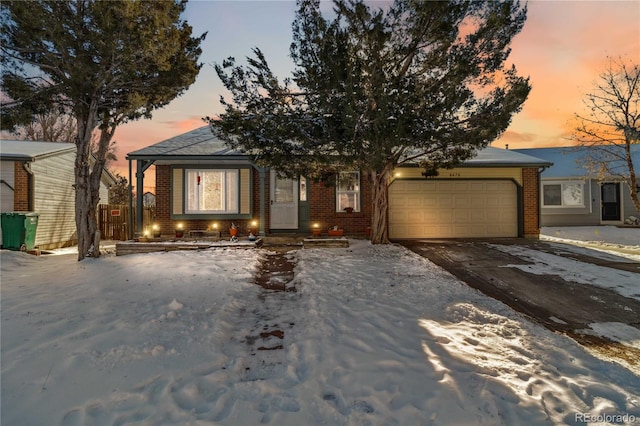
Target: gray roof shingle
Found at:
201, 142
197, 142
566, 160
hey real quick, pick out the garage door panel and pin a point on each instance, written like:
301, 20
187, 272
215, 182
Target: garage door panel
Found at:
452, 209
444, 201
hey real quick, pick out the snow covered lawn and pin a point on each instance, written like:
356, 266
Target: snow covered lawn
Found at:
372, 335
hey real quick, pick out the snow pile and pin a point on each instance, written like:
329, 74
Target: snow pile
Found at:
372, 335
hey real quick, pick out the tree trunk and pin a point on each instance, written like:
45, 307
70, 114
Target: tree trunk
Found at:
632, 183
83, 202
86, 197
380, 204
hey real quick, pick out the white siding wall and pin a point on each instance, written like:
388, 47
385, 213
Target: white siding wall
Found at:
104, 193
6, 194
54, 200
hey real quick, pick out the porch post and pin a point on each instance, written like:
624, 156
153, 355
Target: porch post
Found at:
139, 195
130, 218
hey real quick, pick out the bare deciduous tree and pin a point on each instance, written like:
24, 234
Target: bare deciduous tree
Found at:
608, 133
54, 126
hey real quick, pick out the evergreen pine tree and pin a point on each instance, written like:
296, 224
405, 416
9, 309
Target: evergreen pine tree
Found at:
375, 88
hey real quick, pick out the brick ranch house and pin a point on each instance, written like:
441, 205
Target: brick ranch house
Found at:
202, 184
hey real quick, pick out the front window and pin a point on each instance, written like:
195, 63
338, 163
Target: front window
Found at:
348, 191
563, 194
212, 191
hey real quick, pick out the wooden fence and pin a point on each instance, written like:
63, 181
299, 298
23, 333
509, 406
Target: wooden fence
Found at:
113, 220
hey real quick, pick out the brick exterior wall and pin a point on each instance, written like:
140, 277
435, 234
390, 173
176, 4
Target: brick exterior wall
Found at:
322, 205
163, 207
255, 200
322, 208
531, 202
21, 187
163, 202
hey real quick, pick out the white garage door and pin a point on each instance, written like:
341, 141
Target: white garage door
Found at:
453, 209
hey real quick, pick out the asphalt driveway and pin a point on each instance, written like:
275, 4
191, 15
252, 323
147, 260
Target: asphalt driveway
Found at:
558, 304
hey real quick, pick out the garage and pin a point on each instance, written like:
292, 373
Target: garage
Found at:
453, 208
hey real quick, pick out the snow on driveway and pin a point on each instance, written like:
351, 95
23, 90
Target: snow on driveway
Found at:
622, 282
373, 335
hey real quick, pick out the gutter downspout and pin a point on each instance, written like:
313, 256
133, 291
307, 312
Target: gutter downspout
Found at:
262, 173
540, 170
30, 185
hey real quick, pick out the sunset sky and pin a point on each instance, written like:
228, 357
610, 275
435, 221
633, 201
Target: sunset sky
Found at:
563, 48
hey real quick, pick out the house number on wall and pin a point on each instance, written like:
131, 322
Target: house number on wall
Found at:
454, 174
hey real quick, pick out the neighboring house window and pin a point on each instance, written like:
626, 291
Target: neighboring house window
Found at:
563, 194
348, 191
212, 191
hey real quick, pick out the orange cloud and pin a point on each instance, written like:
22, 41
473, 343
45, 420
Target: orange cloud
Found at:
187, 124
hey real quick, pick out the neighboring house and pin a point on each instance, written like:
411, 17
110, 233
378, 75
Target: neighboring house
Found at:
39, 177
149, 199
571, 196
200, 182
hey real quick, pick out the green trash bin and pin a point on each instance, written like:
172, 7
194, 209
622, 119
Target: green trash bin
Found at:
19, 230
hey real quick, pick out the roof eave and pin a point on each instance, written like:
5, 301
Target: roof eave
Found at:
26, 157
16, 157
491, 165
522, 165
150, 157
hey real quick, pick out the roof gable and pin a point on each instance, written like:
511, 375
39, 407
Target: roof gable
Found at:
196, 143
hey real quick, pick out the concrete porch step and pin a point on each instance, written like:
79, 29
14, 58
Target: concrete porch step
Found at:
329, 242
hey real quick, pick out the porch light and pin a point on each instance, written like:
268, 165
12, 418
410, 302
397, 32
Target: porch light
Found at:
179, 230
156, 230
315, 230
214, 230
253, 225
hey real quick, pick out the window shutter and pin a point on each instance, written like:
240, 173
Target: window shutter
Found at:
177, 191
245, 191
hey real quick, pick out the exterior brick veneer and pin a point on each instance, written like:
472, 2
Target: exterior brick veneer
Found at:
322, 206
163, 202
163, 207
531, 202
322, 209
21, 188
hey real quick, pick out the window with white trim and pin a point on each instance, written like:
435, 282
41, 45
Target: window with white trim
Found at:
348, 191
211, 191
563, 194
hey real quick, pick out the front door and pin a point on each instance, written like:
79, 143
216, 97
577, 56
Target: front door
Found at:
611, 202
284, 202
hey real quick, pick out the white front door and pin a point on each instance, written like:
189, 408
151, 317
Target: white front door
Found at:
284, 203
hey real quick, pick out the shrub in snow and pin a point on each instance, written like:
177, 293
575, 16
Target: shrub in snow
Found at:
632, 220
